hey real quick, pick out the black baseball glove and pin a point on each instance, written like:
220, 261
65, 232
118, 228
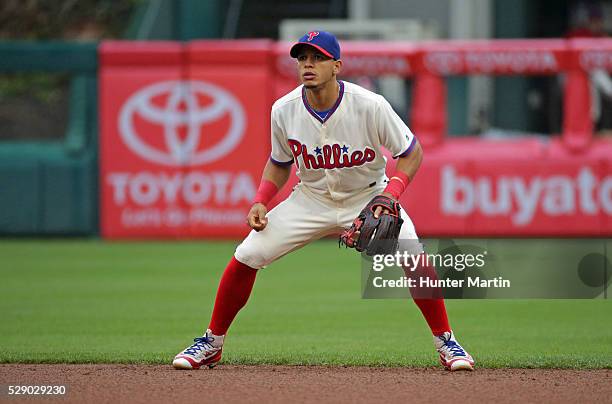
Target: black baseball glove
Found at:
375, 235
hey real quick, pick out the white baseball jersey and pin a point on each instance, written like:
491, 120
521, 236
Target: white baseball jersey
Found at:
341, 154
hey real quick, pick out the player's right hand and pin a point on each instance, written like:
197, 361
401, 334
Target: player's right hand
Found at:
257, 217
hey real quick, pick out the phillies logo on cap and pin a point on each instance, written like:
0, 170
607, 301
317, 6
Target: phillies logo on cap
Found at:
311, 35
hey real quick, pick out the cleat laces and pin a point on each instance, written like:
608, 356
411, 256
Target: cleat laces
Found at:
454, 348
200, 344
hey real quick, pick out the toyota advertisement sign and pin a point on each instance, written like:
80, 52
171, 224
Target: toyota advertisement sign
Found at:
180, 156
185, 134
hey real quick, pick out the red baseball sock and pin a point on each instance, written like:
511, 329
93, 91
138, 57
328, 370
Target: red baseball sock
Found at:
429, 300
434, 312
233, 292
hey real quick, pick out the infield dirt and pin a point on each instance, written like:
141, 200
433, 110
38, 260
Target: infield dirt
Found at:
146, 383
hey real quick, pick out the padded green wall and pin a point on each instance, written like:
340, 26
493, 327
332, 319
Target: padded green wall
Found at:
50, 188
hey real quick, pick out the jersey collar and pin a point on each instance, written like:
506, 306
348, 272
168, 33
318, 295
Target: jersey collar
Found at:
331, 111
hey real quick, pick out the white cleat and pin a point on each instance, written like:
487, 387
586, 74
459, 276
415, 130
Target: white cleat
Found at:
205, 351
452, 355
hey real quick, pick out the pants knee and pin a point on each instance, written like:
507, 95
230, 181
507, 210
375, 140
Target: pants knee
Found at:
250, 255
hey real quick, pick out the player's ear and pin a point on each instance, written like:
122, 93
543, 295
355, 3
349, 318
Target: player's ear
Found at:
337, 66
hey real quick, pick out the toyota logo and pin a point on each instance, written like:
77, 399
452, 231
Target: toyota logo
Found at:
181, 109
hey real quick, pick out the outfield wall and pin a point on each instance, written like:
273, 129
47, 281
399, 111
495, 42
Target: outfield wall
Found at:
184, 135
50, 187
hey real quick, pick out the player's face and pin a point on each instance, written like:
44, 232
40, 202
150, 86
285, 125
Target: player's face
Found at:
315, 69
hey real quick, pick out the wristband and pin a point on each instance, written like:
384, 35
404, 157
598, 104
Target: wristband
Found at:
265, 193
397, 184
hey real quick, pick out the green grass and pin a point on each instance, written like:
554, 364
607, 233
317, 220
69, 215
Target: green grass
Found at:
131, 302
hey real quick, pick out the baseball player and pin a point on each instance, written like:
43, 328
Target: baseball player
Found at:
333, 131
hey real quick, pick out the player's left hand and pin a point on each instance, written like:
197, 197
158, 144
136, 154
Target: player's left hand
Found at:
376, 229
380, 209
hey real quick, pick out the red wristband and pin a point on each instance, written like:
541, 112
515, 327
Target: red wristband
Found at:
265, 193
397, 184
